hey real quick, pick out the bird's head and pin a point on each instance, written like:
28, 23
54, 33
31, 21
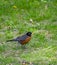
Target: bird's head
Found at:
29, 33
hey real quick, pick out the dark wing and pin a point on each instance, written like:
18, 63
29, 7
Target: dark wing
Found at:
21, 38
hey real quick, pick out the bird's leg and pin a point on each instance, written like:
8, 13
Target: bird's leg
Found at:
23, 46
18, 45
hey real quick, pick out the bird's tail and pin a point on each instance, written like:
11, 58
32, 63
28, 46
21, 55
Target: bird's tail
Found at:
11, 40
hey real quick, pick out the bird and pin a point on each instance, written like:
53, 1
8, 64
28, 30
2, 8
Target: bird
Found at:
24, 39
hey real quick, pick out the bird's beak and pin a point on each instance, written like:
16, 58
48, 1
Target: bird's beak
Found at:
32, 33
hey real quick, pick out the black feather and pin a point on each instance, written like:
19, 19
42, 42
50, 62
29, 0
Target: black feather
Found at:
11, 40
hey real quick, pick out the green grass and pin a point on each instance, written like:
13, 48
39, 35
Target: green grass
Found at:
37, 16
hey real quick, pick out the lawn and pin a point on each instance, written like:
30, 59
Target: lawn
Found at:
20, 16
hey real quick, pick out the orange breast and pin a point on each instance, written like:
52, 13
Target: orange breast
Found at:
25, 41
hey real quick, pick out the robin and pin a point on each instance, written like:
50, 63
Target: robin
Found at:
24, 39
